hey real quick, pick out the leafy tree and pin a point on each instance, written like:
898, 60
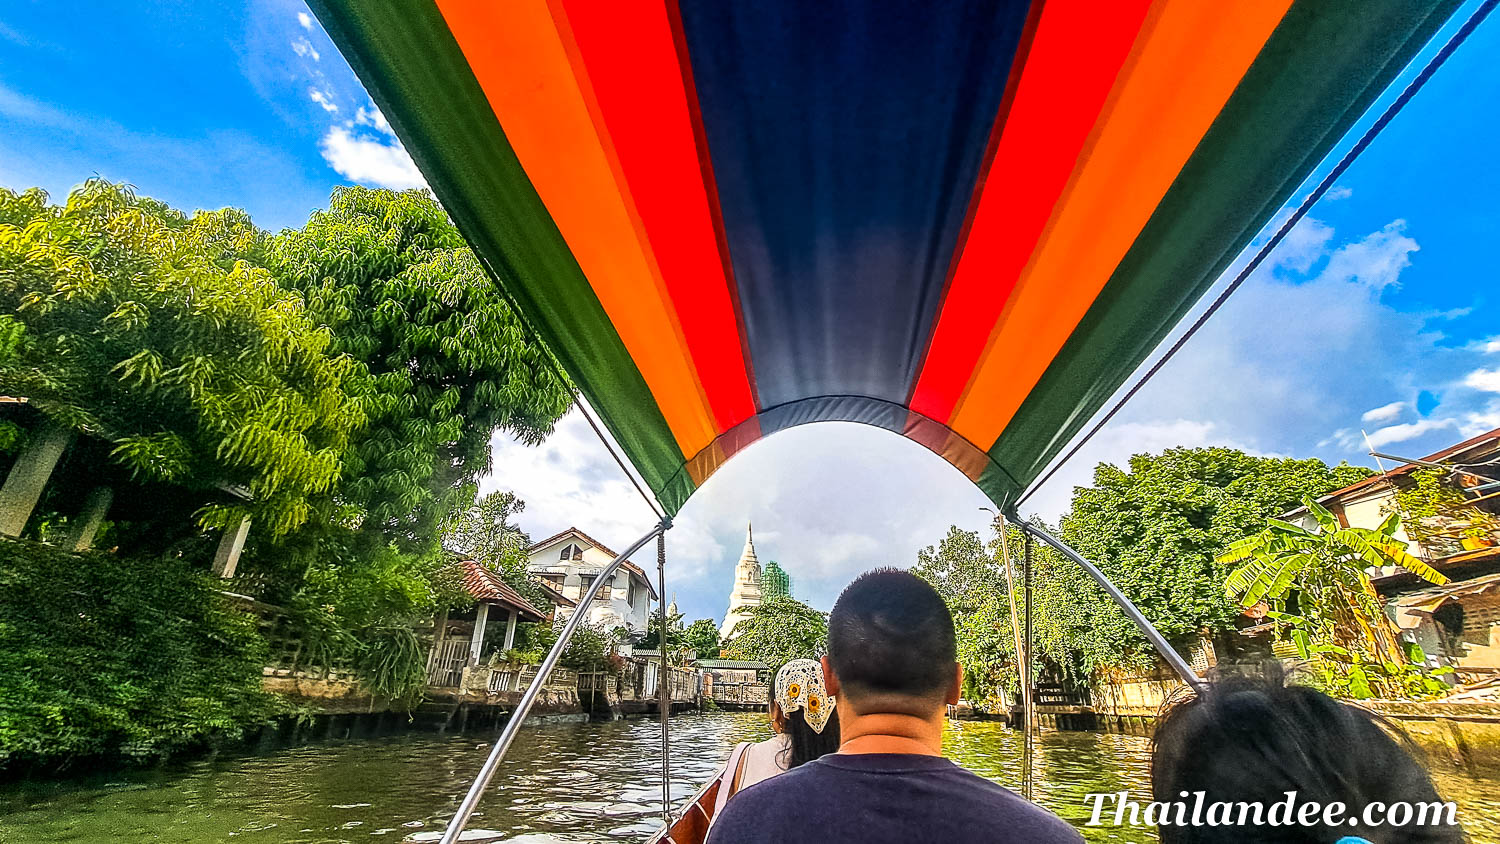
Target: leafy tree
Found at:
1154, 529
971, 579
779, 631
450, 362
592, 647
703, 637
138, 324
986, 650
962, 570
485, 533
652, 639
1338, 615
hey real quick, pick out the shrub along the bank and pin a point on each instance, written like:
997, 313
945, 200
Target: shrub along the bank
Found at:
105, 656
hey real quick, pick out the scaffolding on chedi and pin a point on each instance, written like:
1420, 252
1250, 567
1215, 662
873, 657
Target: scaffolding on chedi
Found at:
774, 582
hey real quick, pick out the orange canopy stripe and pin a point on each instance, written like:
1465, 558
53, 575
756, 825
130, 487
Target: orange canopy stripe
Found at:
521, 61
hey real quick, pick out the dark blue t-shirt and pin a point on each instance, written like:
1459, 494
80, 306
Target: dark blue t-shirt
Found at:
877, 797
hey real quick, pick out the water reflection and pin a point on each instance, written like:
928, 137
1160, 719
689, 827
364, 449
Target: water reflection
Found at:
587, 782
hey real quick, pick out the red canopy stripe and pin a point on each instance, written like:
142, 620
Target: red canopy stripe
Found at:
1075, 56
627, 54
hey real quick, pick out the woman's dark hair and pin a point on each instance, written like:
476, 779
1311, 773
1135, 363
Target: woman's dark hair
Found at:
1250, 737
806, 744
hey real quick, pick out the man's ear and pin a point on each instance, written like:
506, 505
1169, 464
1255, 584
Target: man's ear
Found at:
830, 682
956, 690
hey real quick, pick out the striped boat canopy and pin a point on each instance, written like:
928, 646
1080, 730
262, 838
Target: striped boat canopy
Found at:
966, 221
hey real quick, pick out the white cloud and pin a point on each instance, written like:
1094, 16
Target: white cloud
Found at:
1409, 431
1384, 413
1491, 346
371, 116
1480, 421
306, 20
368, 160
828, 501
1338, 192
1487, 380
1375, 261
324, 99
305, 49
1304, 245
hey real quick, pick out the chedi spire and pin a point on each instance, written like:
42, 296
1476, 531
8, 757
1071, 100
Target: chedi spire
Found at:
746, 592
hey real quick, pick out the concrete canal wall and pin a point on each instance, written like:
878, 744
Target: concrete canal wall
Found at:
1465, 733
334, 706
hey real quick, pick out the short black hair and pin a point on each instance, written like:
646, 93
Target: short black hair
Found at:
890, 637
1251, 737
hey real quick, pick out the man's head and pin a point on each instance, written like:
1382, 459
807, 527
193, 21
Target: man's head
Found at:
891, 646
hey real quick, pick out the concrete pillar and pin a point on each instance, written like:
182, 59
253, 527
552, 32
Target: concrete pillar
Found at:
510, 629
28, 477
227, 557
477, 642
95, 507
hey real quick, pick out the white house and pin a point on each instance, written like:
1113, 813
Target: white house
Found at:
571, 560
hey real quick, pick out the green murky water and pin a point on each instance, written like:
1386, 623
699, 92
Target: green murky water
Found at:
566, 782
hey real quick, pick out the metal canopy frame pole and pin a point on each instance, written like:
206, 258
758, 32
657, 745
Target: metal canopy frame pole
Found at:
1153, 635
1028, 746
1015, 614
664, 683
517, 718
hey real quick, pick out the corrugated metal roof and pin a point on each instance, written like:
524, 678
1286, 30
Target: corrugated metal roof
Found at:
733, 663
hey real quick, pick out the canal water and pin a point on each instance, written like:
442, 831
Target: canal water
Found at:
563, 782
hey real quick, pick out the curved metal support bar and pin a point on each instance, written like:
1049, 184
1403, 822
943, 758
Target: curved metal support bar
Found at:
1157, 640
513, 726
664, 682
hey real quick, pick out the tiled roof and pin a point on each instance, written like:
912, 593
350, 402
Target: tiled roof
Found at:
573, 531
485, 585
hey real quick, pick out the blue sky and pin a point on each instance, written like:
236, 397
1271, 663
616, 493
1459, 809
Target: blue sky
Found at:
1379, 313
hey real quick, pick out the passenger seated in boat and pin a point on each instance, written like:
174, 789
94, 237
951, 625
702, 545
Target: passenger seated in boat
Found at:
1253, 738
806, 725
892, 665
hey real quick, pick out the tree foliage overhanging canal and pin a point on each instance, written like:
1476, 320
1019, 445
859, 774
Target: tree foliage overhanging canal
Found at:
1159, 528
345, 379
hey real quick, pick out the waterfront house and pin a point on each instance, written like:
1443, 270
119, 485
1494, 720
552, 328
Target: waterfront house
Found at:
735, 682
1458, 623
570, 561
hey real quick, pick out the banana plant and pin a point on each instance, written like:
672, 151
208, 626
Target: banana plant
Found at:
1340, 622
1278, 555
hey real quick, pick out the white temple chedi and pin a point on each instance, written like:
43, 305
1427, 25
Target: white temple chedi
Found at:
746, 592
